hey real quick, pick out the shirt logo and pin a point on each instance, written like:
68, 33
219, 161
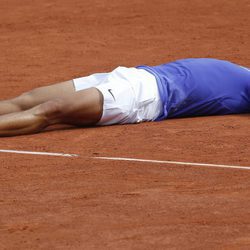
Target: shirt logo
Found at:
110, 91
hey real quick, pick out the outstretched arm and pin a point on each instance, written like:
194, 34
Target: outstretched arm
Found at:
81, 108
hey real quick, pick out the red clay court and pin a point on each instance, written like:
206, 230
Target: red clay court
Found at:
84, 202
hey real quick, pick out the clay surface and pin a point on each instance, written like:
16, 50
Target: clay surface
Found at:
51, 202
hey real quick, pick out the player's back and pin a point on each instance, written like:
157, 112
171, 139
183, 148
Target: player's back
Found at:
202, 86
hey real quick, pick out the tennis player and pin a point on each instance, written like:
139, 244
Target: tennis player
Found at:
183, 88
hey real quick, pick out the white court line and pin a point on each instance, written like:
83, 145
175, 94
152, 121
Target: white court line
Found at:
36, 153
172, 162
126, 159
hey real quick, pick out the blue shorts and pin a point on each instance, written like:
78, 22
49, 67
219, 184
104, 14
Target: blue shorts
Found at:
202, 86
